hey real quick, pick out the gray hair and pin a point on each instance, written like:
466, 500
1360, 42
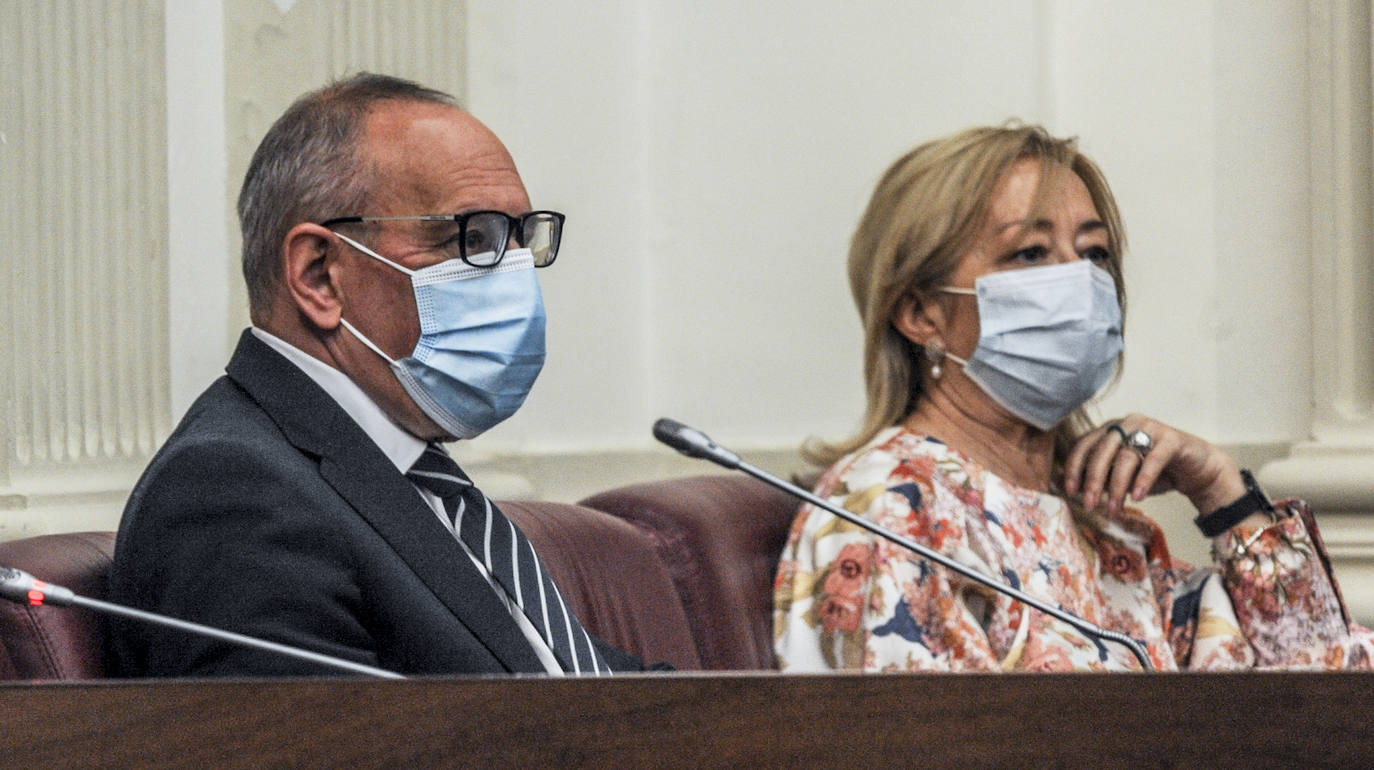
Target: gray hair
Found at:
307, 168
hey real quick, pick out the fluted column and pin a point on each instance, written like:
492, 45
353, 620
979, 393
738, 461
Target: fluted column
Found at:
121, 293
82, 146
1334, 468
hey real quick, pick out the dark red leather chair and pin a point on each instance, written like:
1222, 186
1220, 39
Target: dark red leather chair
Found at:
719, 538
610, 573
56, 642
678, 571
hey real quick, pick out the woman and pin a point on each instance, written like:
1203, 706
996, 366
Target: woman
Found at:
987, 271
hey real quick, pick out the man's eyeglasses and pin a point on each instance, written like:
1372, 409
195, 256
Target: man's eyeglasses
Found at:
482, 236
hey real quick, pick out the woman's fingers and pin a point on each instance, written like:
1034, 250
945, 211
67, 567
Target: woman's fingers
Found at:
1106, 466
1086, 452
1125, 465
1100, 464
1148, 477
1141, 464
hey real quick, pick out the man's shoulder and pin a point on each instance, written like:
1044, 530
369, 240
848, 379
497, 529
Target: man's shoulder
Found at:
253, 408
225, 442
223, 418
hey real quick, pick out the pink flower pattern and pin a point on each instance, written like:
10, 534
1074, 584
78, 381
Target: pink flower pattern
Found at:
842, 600
846, 599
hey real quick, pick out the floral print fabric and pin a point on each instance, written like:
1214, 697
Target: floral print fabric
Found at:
846, 599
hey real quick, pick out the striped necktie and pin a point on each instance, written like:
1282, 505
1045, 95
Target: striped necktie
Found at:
509, 557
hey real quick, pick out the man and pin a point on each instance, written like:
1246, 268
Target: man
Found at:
389, 251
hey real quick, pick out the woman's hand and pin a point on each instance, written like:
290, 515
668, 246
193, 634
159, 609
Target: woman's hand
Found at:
1102, 466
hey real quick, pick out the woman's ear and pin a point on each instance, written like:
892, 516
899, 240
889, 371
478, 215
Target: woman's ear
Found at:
918, 320
308, 275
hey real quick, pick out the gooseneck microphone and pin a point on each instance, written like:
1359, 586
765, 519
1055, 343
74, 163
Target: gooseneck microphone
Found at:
694, 443
19, 586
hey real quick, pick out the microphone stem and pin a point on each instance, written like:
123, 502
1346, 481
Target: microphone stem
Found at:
1083, 626
231, 637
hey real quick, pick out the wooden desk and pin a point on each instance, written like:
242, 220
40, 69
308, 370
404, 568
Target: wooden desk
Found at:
724, 720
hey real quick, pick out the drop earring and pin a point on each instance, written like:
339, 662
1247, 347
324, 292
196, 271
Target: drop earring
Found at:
935, 352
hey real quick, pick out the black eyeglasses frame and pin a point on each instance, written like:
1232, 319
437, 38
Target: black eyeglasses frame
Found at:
514, 225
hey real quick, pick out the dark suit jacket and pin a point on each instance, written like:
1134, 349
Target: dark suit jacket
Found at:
271, 513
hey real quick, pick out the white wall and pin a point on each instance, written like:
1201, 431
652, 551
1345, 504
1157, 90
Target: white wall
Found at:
714, 157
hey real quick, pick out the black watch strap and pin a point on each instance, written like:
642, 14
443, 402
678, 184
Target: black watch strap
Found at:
1227, 516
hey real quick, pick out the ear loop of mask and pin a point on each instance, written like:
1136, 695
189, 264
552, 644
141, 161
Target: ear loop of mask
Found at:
366, 341
344, 321
373, 254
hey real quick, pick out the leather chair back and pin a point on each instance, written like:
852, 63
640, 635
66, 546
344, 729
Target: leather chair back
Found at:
56, 642
678, 571
720, 538
610, 574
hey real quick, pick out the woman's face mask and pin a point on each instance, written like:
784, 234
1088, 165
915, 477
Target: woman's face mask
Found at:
1049, 338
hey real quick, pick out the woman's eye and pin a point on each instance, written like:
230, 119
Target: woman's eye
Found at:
1031, 255
1098, 255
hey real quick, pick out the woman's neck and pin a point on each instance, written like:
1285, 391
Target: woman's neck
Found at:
1004, 445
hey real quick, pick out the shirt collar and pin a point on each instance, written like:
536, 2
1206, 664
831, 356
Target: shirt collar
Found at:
399, 445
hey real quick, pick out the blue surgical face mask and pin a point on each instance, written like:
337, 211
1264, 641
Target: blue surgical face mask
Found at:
481, 341
1049, 338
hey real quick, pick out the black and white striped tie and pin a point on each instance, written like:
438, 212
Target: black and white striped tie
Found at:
510, 558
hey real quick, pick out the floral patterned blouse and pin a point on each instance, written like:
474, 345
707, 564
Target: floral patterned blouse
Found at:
846, 599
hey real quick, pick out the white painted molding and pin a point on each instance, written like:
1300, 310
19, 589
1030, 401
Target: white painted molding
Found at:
1334, 469
1343, 361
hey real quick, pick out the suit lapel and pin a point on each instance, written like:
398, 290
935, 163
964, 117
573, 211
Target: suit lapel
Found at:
391, 505
353, 465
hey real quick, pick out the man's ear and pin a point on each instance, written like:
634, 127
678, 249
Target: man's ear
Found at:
917, 319
309, 279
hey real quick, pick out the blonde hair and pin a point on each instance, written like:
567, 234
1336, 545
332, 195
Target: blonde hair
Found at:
924, 216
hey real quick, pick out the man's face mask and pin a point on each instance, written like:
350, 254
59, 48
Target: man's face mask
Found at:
481, 343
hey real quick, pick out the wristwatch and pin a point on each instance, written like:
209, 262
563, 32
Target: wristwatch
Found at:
1227, 516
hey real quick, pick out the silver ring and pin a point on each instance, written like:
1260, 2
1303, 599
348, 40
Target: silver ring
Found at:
1141, 442
1118, 430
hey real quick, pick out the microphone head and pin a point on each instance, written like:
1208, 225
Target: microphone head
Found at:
667, 429
693, 443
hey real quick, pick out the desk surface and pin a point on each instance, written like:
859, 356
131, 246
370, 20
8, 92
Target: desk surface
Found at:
734, 720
